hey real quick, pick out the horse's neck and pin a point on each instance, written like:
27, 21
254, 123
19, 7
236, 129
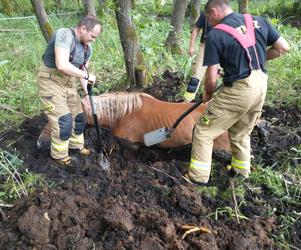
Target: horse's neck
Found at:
164, 114
104, 122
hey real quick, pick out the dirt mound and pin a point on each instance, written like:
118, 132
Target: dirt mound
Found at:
141, 201
167, 86
133, 205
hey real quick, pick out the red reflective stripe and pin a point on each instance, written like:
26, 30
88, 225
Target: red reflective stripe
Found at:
246, 40
233, 32
250, 28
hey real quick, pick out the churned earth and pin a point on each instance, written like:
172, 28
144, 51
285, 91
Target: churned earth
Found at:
141, 201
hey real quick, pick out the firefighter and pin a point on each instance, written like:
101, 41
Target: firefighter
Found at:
65, 60
241, 45
198, 70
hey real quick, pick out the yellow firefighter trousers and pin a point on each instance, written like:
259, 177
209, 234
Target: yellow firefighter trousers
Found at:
198, 73
198, 70
62, 106
235, 109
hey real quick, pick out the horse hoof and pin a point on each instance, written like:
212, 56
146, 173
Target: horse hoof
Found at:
43, 144
129, 150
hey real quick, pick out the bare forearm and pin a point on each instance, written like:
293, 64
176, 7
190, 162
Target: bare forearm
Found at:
279, 48
84, 84
211, 77
273, 53
71, 70
209, 90
62, 64
194, 35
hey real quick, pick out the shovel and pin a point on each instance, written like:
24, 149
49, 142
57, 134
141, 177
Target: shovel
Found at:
102, 159
162, 134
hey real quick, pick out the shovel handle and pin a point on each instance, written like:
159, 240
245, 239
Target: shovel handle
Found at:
89, 89
95, 118
182, 116
193, 107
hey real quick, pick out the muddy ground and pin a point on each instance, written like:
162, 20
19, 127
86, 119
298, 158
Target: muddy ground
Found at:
141, 201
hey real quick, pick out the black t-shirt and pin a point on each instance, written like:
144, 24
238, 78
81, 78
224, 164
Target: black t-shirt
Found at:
202, 23
221, 48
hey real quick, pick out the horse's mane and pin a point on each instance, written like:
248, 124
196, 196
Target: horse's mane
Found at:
113, 106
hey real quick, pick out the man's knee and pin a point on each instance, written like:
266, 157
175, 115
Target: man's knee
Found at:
65, 126
80, 123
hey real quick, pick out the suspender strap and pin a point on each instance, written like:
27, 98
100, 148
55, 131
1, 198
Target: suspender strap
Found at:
73, 46
73, 49
245, 39
86, 50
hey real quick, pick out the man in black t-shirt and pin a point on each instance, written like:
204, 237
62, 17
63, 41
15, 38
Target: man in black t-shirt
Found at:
198, 70
238, 43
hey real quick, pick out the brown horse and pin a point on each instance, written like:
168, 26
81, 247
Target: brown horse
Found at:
131, 115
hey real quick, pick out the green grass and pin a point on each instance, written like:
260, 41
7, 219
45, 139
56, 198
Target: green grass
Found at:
16, 182
23, 49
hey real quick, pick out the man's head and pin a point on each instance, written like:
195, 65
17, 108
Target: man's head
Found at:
216, 10
88, 29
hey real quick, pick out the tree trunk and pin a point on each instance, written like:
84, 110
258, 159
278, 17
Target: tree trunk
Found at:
195, 6
7, 7
102, 5
134, 61
42, 18
296, 4
243, 6
89, 6
174, 36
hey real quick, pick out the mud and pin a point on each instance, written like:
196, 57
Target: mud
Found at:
141, 201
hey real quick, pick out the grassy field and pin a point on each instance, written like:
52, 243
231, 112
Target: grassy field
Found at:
22, 48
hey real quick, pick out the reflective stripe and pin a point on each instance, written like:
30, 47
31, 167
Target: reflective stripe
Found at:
244, 165
77, 139
199, 165
60, 146
189, 96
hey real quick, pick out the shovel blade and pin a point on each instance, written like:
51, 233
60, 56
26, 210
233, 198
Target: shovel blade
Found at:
103, 162
156, 136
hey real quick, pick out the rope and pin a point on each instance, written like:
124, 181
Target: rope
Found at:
32, 17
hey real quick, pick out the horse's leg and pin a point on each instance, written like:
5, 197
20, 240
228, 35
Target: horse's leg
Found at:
222, 143
129, 150
44, 139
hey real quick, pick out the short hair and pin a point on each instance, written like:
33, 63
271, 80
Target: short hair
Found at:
220, 3
89, 22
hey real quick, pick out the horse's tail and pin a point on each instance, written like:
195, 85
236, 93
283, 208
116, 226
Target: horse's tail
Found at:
111, 107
